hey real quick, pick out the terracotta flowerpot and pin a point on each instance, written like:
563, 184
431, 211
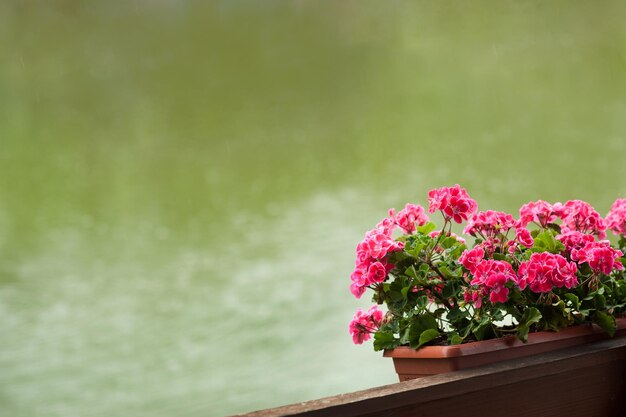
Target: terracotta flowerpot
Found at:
431, 360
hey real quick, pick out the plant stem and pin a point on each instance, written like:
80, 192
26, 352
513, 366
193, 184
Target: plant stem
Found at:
434, 268
443, 229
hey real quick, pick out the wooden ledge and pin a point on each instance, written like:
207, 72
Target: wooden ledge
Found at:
585, 381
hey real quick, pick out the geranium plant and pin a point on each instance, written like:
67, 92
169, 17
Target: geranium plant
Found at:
548, 269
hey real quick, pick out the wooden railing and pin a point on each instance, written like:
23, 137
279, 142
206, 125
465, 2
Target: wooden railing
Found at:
584, 381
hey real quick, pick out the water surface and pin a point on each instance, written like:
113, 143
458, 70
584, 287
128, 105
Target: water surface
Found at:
182, 184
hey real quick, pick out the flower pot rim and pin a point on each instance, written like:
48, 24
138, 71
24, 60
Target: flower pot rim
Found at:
492, 345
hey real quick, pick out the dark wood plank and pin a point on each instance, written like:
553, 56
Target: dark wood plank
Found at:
585, 381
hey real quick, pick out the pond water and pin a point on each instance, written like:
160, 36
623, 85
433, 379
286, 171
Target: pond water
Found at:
182, 184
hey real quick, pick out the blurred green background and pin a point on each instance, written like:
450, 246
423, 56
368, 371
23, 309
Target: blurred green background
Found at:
183, 183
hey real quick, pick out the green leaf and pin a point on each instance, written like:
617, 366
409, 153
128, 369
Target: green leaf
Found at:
448, 242
522, 333
556, 316
384, 340
420, 325
422, 301
456, 252
427, 336
499, 257
546, 242
411, 272
438, 312
391, 326
397, 307
427, 228
499, 314
482, 329
572, 298
404, 339
530, 316
424, 322
395, 296
605, 321
405, 291
455, 339
446, 272
449, 290
456, 314
416, 250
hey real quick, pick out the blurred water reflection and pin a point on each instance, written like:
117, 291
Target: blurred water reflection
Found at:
182, 183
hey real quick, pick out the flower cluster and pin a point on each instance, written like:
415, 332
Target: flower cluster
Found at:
454, 203
371, 267
580, 216
600, 256
584, 248
524, 237
545, 270
408, 217
574, 240
491, 277
493, 227
471, 258
616, 219
540, 212
489, 224
363, 324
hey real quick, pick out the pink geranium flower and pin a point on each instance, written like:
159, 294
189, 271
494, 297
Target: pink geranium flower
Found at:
454, 203
357, 289
377, 272
378, 244
370, 264
493, 276
367, 274
573, 241
600, 256
523, 237
387, 225
409, 216
539, 212
580, 216
489, 224
545, 271
475, 296
616, 218
471, 258
364, 324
